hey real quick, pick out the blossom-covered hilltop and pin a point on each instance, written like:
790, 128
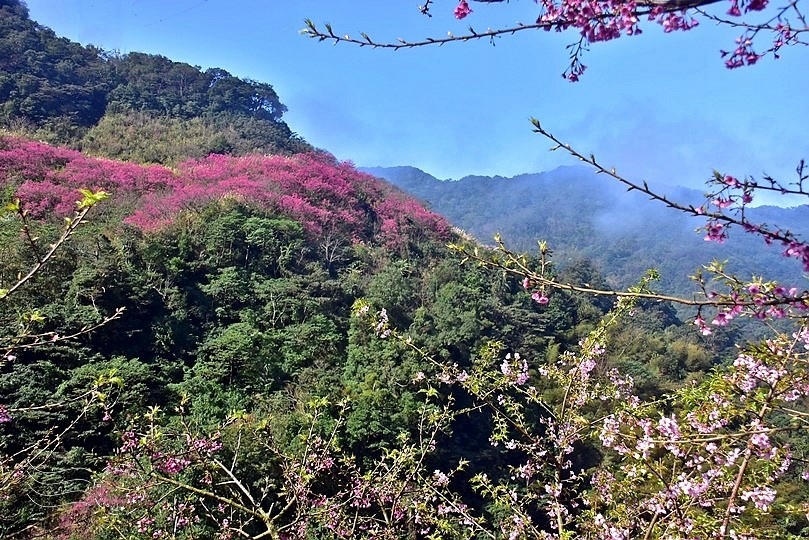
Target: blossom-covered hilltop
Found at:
324, 195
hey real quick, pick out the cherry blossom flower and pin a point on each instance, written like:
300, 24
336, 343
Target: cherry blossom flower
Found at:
462, 10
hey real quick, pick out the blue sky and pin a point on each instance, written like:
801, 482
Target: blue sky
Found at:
661, 107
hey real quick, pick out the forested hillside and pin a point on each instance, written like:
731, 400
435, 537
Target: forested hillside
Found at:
237, 275
587, 217
210, 331
135, 106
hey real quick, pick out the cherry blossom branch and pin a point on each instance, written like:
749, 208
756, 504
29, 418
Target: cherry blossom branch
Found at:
773, 24
314, 32
734, 493
14, 468
70, 228
39, 340
225, 500
785, 237
26, 339
649, 7
241, 488
600, 20
26, 230
516, 266
744, 53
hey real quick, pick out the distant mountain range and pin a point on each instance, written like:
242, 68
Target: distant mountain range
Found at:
585, 216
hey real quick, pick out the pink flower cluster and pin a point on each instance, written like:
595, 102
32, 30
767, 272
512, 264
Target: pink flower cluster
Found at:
751, 372
737, 6
170, 464
712, 416
203, 446
761, 497
756, 299
742, 55
515, 368
716, 232
604, 20
537, 296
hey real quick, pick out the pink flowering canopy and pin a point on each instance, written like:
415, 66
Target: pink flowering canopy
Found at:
323, 194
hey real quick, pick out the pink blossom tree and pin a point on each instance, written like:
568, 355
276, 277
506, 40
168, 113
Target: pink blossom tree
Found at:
763, 30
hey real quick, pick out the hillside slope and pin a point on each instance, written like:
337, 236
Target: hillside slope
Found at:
238, 276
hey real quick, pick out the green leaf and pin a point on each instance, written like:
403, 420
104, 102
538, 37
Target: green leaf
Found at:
13, 206
91, 198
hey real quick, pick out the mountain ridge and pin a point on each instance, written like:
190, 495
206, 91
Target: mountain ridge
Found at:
583, 216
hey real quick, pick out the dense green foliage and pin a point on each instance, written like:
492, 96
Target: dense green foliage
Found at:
235, 307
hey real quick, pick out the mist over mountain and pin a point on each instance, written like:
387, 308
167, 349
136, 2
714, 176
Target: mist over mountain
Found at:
586, 216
